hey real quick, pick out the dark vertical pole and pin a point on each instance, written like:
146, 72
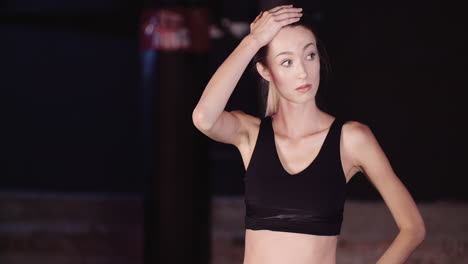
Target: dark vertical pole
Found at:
183, 188
148, 60
177, 218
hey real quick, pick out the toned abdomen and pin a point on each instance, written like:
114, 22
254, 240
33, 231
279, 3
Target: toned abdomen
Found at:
273, 247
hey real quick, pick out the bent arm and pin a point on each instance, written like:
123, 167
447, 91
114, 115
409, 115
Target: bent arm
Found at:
372, 161
209, 115
222, 83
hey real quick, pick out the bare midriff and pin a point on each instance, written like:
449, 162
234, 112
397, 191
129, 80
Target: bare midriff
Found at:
273, 247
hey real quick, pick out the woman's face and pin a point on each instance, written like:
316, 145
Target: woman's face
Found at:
293, 62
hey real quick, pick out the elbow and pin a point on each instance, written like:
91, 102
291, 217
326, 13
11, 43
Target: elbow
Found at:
418, 233
199, 120
422, 233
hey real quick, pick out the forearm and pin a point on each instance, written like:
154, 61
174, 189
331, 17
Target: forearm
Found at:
221, 85
402, 247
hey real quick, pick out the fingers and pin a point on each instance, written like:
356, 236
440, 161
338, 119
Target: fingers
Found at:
280, 15
286, 10
287, 15
259, 15
281, 12
278, 8
290, 20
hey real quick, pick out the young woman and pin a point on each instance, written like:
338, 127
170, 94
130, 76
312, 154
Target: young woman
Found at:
298, 158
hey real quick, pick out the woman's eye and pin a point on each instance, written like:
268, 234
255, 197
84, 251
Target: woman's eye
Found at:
311, 56
286, 63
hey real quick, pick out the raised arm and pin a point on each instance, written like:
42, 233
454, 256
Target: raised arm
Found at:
209, 115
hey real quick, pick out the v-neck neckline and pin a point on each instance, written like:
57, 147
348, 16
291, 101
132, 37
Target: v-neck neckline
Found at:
312, 162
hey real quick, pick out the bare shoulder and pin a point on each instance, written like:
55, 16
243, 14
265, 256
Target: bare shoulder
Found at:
231, 127
357, 137
246, 119
355, 132
250, 125
246, 144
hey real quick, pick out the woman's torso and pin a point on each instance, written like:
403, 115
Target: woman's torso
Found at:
265, 246
272, 247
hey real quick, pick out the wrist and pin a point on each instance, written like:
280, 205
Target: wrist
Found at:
251, 41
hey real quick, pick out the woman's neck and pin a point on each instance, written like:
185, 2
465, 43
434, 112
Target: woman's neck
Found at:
296, 120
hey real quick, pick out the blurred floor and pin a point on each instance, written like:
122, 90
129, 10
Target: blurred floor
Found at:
368, 229
108, 228
69, 228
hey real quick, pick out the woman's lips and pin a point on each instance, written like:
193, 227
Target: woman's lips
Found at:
304, 88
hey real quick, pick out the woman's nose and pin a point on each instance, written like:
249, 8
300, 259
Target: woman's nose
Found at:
302, 72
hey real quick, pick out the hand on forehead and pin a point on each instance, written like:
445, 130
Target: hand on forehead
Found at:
292, 40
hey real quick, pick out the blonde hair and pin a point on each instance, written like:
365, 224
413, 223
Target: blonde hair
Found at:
272, 100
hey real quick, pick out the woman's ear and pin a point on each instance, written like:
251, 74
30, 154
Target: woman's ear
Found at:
263, 71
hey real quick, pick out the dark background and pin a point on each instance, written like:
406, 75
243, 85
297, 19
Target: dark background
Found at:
71, 86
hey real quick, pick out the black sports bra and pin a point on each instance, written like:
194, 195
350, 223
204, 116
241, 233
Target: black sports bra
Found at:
309, 202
